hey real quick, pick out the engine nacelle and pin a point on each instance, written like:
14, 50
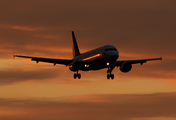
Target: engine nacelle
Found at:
75, 66
125, 67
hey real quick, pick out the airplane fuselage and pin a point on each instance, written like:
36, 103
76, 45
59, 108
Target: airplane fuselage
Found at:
98, 58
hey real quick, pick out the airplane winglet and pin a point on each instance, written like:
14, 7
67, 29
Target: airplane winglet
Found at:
15, 56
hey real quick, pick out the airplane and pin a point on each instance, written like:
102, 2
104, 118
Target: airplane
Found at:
99, 58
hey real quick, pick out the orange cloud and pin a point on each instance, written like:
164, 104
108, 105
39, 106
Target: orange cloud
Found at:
24, 28
94, 107
6, 111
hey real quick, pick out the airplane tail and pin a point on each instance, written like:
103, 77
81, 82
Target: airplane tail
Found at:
75, 48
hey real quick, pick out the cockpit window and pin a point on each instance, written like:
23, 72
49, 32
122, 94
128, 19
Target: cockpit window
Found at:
111, 49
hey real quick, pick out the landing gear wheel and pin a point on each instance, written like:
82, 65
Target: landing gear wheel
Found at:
75, 75
79, 76
108, 76
112, 76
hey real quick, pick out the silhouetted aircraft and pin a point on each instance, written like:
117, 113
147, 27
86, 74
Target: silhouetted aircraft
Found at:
99, 58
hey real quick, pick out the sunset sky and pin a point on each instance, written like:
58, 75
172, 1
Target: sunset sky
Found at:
139, 29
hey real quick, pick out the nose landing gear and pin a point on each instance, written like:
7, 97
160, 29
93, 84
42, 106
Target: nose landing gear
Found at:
77, 75
109, 75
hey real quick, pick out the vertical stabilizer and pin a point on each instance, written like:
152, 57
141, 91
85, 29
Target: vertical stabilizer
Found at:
75, 48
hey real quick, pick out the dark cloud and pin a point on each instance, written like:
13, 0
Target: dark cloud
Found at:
9, 76
39, 73
99, 107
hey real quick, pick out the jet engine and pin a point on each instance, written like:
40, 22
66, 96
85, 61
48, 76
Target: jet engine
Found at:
125, 67
75, 66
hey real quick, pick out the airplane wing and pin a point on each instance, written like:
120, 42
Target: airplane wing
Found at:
118, 63
48, 60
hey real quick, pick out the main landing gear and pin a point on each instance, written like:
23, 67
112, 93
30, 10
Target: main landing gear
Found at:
109, 75
77, 75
